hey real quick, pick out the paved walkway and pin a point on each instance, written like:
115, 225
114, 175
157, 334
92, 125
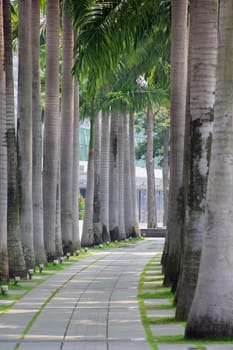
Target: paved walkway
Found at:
91, 305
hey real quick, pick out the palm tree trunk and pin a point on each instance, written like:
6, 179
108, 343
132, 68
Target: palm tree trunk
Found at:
51, 127
132, 172
177, 128
151, 203
4, 269
128, 204
211, 311
25, 131
203, 72
75, 182
121, 151
104, 176
38, 226
67, 117
17, 265
87, 235
58, 234
114, 180
97, 224
165, 170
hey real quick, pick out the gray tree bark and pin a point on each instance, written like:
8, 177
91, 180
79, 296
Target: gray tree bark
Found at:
4, 269
67, 118
177, 129
38, 225
16, 260
114, 180
104, 175
211, 311
51, 120
203, 34
75, 191
25, 131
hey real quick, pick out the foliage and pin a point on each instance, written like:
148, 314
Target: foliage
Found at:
81, 200
161, 125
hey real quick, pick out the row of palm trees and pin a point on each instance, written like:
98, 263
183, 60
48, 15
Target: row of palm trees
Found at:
197, 259
39, 211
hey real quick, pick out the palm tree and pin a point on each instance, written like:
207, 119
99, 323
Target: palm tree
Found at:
132, 172
211, 311
121, 188
97, 224
51, 119
75, 181
178, 98
114, 180
25, 131
203, 35
67, 100
128, 195
4, 270
104, 175
151, 203
38, 226
87, 234
165, 169
15, 251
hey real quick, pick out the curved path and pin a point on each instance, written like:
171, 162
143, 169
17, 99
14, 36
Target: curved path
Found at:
91, 305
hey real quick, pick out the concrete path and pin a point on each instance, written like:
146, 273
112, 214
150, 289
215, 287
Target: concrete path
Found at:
91, 305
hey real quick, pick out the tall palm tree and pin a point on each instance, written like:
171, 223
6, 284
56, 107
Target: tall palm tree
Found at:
51, 120
121, 151
17, 265
87, 234
25, 131
104, 175
151, 203
4, 270
38, 226
132, 172
178, 105
114, 180
128, 205
203, 35
97, 224
75, 182
67, 117
211, 311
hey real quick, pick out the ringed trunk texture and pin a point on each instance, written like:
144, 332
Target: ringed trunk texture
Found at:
177, 129
51, 120
67, 119
4, 269
151, 204
16, 260
129, 219
203, 34
87, 235
38, 225
75, 182
25, 131
114, 180
132, 172
97, 224
211, 312
104, 176
121, 152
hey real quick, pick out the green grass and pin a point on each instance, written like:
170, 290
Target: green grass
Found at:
154, 265
154, 292
118, 244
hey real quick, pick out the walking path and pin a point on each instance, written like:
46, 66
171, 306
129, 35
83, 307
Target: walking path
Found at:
90, 305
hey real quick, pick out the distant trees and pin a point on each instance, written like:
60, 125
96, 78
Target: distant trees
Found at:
42, 151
